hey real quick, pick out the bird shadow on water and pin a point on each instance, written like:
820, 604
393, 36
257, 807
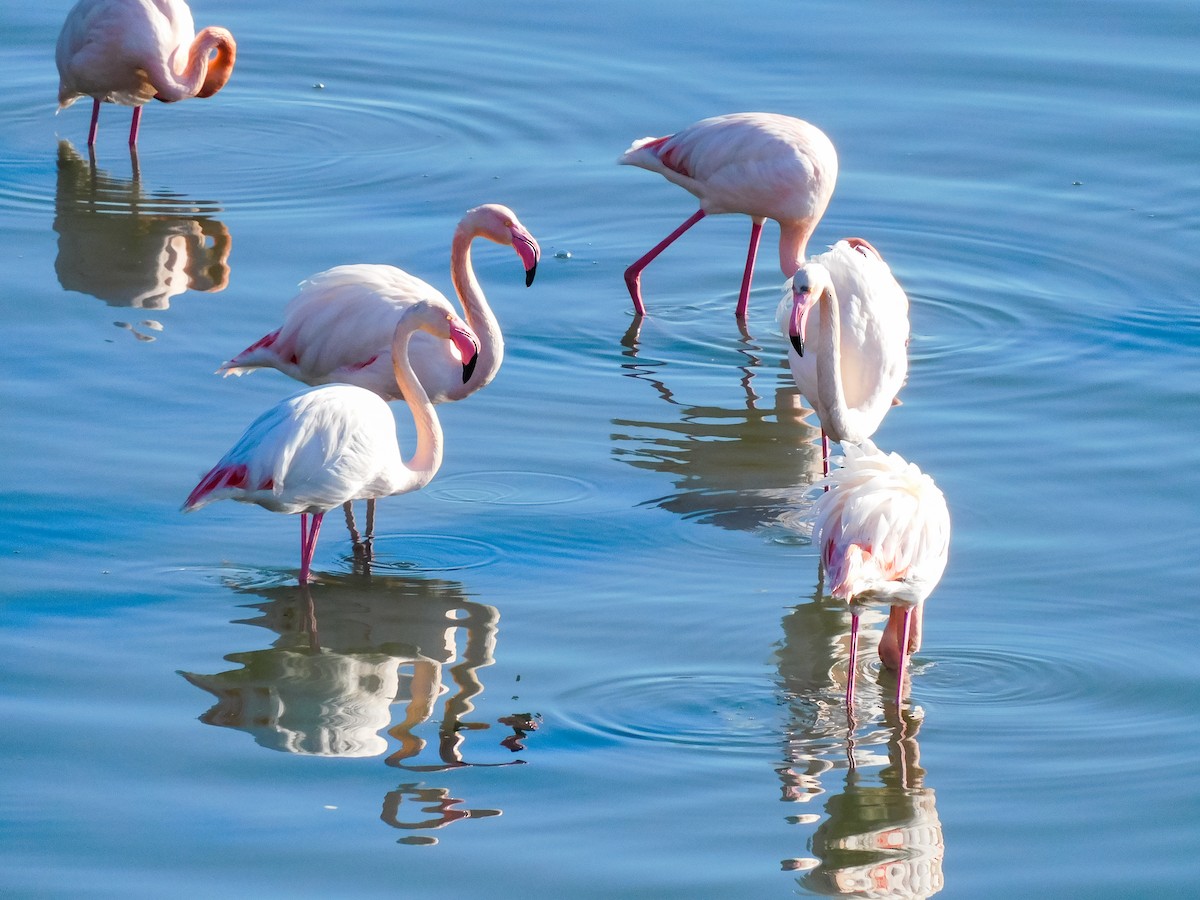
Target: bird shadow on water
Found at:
133, 247
878, 833
740, 467
359, 656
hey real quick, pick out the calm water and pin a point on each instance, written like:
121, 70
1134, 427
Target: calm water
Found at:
592, 660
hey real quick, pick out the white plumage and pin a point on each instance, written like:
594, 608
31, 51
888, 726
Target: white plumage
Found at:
338, 328
851, 361
763, 165
883, 531
329, 445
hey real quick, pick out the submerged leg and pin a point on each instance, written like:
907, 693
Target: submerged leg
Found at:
903, 655
633, 275
133, 127
852, 671
748, 275
95, 123
369, 545
308, 543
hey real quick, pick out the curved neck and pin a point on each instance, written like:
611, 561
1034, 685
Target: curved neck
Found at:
475, 307
793, 244
427, 457
200, 76
839, 422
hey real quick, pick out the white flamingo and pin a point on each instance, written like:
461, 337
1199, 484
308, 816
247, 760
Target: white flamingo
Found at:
329, 445
763, 165
134, 51
853, 360
883, 531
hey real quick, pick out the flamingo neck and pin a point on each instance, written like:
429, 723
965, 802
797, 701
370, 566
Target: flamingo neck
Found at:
419, 469
838, 420
201, 77
476, 311
793, 244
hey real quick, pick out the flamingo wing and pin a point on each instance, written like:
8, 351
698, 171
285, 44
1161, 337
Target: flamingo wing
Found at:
310, 453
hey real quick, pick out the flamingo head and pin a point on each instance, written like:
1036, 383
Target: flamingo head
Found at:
466, 345
808, 284
500, 224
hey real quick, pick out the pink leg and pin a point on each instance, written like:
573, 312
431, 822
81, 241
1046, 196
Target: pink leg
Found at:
748, 275
633, 275
308, 543
852, 672
824, 454
95, 123
903, 656
133, 128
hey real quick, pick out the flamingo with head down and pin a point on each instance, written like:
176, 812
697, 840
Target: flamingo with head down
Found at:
329, 445
763, 165
883, 531
134, 51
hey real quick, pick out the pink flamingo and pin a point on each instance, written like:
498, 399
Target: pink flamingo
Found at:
134, 51
339, 327
329, 445
883, 531
763, 165
852, 362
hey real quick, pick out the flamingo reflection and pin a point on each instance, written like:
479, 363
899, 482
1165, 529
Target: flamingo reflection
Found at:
879, 835
131, 247
739, 467
349, 650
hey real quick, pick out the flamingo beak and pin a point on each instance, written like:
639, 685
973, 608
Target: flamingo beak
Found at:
468, 349
529, 251
802, 303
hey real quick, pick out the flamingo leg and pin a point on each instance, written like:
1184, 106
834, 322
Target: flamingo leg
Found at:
633, 275
308, 543
904, 628
852, 672
369, 542
133, 127
95, 123
824, 454
748, 276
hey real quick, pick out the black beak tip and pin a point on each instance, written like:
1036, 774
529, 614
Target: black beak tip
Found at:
797, 343
529, 273
469, 369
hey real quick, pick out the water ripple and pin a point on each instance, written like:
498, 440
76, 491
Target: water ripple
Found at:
727, 713
512, 488
418, 553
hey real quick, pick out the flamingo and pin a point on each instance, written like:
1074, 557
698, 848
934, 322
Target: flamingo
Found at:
134, 51
764, 165
339, 327
883, 531
851, 365
328, 445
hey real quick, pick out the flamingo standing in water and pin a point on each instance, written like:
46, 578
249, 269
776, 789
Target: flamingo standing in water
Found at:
883, 531
764, 165
852, 362
134, 51
339, 327
329, 445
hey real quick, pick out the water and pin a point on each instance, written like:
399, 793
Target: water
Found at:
591, 660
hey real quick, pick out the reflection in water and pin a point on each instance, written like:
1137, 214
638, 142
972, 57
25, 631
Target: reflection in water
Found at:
880, 835
350, 648
129, 247
738, 468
